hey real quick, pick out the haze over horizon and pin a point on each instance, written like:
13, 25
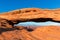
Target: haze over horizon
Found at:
9, 5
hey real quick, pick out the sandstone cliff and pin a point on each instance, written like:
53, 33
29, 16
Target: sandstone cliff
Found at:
29, 14
10, 32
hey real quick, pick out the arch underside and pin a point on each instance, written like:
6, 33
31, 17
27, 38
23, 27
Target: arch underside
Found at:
37, 20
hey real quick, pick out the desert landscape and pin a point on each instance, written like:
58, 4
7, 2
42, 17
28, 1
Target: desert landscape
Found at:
10, 32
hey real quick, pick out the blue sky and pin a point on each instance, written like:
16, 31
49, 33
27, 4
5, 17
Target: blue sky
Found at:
9, 5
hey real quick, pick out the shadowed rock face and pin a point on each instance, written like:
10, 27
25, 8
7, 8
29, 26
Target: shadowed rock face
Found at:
10, 32
8, 19
40, 33
5, 23
32, 14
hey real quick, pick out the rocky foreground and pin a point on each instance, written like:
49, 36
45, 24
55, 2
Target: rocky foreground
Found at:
39, 33
10, 32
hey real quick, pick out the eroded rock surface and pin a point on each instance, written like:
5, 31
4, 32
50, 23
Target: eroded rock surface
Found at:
31, 14
5, 23
10, 32
40, 33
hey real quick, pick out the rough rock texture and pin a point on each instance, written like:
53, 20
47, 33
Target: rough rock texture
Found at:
31, 14
5, 23
10, 32
40, 33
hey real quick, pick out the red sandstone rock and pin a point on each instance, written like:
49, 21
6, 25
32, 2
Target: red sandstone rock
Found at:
5, 23
10, 32
40, 33
31, 13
